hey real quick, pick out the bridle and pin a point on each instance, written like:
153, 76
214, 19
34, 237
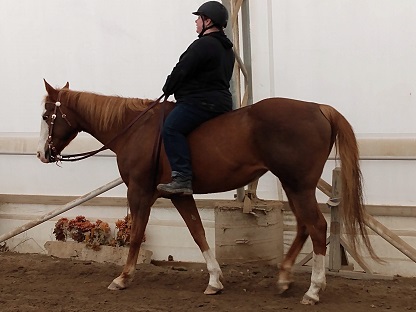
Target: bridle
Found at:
51, 147
80, 156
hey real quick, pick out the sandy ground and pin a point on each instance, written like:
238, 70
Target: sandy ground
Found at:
42, 283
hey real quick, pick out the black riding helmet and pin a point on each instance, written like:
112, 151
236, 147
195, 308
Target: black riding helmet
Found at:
215, 11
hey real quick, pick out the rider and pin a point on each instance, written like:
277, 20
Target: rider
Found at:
200, 82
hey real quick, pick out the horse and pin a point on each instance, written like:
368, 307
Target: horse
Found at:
290, 138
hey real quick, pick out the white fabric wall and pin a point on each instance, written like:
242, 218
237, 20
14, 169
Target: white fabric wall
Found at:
124, 48
358, 56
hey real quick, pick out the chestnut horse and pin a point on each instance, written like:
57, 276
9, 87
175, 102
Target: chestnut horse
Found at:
290, 138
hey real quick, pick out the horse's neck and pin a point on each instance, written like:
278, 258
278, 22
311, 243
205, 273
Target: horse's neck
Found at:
104, 137
114, 134
90, 124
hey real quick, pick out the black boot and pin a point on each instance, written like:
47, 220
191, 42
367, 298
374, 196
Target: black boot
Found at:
180, 185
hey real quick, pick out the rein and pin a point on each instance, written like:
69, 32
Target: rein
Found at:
80, 156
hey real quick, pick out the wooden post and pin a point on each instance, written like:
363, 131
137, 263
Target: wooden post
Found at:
335, 247
244, 65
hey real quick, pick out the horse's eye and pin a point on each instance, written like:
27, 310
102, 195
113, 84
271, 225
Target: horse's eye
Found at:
45, 117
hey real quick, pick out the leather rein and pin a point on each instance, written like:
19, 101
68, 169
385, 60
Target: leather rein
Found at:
80, 156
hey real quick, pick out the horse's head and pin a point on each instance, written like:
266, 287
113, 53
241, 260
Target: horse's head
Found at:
56, 128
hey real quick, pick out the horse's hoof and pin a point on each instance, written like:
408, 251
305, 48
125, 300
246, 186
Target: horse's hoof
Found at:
306, 300
115, 286
283, 286
211, 290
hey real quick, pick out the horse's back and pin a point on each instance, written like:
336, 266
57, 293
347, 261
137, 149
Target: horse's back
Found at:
282, 135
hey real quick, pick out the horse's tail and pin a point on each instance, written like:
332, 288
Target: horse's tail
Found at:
353, 209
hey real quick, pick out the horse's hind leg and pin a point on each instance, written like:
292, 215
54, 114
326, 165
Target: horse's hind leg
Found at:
189, 212
309, 217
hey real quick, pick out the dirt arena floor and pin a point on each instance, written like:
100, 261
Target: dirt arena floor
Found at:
41, 283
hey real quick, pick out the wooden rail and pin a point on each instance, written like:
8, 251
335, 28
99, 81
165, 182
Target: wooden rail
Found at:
338, 246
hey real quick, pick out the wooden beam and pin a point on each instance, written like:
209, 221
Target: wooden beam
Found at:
324, 187
389, 236
374, 210
60, 210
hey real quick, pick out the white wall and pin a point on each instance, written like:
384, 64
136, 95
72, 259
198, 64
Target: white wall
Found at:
125, 48
358, 56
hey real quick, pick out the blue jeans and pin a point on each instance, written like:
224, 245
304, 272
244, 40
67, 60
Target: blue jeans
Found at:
184, 118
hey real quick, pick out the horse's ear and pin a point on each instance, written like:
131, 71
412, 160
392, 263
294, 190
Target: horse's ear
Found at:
66, 86
51, 91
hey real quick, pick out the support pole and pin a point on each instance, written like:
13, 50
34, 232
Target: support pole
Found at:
62, 209
244, 65
232, 31
335, 248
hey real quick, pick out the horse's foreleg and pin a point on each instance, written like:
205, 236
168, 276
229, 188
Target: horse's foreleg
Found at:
140, 212
189, 212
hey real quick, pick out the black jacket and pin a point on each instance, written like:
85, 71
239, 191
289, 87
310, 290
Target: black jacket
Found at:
202, 75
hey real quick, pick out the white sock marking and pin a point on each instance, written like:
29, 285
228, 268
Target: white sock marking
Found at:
214, 269
318, 280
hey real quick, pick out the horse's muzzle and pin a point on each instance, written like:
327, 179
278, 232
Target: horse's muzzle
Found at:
48, 157
41, 157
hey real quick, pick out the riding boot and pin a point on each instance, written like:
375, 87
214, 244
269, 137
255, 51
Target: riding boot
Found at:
180, 185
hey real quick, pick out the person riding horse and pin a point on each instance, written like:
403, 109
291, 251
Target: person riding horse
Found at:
200, 82
273, 135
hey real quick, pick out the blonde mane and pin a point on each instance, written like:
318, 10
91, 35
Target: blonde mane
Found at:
103, 111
